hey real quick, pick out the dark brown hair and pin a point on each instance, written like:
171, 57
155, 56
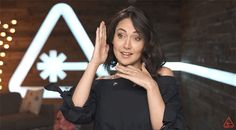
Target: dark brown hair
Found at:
152, 54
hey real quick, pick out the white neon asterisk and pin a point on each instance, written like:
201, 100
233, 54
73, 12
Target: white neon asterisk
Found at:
51, 66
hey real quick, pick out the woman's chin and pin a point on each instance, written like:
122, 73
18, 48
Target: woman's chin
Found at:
123, 64
127, 63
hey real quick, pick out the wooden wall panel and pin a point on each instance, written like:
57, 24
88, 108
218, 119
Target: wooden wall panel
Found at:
31, 13
208, 37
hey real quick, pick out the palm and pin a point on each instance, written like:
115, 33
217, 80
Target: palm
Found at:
140, 77
101, 47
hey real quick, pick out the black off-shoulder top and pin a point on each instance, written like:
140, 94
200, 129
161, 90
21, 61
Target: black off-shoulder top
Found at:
119, 104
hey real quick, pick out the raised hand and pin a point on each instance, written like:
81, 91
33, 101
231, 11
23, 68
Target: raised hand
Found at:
139, 76
100, 52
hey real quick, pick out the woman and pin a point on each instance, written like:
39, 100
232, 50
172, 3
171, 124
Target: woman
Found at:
140, 94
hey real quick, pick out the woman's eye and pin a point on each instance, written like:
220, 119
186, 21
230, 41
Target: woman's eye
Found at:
120, 36
138, 38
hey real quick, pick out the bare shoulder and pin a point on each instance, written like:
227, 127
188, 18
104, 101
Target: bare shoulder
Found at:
103, 77
164, 71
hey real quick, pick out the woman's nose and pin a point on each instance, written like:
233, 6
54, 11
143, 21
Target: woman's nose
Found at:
127, 44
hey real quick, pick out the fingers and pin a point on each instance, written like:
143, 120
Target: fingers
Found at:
101, 49
97, 36
123, 75
129, 70
144, 68
102, 33
133, 68
107, 47
105, 33
121, 69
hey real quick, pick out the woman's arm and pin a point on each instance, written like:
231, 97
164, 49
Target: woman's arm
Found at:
156, 106
100, 53
155, 101
83, 88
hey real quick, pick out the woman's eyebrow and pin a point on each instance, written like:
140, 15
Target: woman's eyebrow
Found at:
138, 32
121, 29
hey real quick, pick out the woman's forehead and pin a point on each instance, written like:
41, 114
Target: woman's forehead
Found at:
126, 25
126, 22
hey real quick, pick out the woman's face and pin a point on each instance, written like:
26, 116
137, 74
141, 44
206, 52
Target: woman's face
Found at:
127, 43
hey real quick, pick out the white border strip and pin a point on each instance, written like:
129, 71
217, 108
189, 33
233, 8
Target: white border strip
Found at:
209, 73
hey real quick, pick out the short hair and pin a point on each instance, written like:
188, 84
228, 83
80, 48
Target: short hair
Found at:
152, 54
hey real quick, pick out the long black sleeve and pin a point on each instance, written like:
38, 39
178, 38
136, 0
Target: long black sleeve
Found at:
173, 117
79, 115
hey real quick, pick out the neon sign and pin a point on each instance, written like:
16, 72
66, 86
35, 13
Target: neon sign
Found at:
87, 47
39, 40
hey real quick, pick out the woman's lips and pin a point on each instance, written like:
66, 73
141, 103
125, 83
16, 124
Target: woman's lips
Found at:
126, 54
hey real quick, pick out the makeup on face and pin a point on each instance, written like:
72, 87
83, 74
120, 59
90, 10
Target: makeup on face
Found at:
128, 43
